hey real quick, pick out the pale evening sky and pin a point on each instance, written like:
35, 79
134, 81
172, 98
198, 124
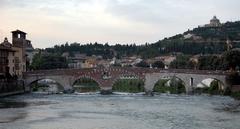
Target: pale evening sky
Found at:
50, 22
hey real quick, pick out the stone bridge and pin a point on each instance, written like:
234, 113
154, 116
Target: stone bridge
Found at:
106, 77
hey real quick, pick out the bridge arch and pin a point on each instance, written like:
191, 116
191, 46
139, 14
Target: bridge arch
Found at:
210, 85
128, 83
59, 87
152, 78
170, 84
64, 81
126, 76
86, 84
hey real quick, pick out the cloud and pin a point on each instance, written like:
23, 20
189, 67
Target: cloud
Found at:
164, 11
114, 21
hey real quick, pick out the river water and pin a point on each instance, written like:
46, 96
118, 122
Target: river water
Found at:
39, 111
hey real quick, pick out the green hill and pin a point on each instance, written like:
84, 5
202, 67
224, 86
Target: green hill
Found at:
200, 40
229, 30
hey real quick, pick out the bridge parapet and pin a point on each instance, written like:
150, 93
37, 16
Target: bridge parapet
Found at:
127, 70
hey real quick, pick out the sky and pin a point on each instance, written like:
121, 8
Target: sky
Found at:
52, 22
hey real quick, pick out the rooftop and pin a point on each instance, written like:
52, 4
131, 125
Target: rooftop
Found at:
19, 31
6, 43
2, 47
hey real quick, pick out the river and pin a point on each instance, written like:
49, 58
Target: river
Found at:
135, 111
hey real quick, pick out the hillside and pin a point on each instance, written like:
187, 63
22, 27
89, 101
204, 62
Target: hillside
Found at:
229, 30
200, 40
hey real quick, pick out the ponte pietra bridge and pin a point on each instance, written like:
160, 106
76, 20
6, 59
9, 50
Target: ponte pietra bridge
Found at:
106, 77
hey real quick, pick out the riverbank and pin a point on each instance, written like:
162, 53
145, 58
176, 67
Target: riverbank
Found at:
11, 93
9, 87
236, 95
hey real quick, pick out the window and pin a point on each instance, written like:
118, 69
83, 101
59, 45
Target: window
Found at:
191, 81
17, 60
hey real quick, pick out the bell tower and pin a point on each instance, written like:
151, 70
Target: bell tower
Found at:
19, 43
18, 38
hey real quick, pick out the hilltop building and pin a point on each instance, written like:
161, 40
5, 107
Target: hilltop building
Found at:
214, 22
14, 56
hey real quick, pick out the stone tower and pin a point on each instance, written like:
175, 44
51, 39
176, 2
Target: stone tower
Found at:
18, 38
19, 43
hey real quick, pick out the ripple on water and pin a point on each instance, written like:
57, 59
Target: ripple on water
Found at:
122, 112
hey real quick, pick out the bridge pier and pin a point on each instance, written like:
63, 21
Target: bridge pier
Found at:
149, 93
106, 90
189, 90
68, 89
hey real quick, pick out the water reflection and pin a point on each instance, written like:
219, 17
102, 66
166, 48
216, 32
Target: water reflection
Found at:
12, 104
9, 111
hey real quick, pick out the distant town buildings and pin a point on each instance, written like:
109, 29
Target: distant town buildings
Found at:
14, 57
129, 61
78, 61
165, 59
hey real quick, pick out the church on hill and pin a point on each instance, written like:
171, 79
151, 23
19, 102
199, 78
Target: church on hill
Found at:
214, 22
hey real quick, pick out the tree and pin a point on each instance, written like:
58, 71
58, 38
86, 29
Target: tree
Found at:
232, 59
143, 64
233, 78
181, 62
158, 64
37, 61
50, 61
210, 62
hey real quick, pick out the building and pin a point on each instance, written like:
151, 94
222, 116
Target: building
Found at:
166, 60
30, 51
14, 56
19, 43
78, 61
6, 60
214, 22
130, 61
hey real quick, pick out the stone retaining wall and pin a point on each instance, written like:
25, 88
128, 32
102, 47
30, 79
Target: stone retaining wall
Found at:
11, 87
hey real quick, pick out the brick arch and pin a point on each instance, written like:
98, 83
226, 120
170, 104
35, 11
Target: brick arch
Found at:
115, 73
88, 77
120, 76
